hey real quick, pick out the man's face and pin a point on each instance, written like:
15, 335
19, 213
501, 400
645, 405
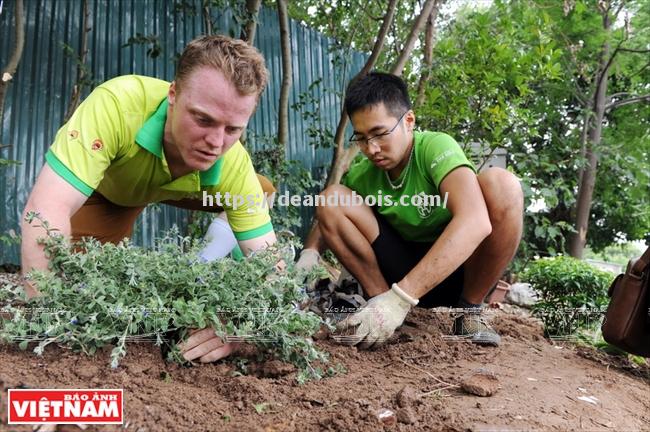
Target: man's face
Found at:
389, 149
207, 116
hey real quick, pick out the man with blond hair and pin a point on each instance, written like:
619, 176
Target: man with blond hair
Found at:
138, 140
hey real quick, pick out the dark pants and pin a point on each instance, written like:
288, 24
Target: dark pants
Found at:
397, 257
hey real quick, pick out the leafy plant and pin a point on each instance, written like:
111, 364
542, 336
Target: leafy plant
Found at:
287, 176
99, 294
572, 293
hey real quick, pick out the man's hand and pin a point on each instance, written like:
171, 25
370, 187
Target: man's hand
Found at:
205, 346
377, 320
309, 258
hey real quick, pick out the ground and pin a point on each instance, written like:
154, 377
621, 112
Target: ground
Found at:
542, 385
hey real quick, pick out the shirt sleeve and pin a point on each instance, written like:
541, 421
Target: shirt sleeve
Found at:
85, 146
248, 212
442, 155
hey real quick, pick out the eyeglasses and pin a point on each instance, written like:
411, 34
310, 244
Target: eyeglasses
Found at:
362, 141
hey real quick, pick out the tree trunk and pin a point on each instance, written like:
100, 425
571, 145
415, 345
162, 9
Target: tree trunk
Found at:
285, 42
429, 42
249, 30
336, 168
81, 70
342, 163
206, 12
9, 70
413, 36
578, 239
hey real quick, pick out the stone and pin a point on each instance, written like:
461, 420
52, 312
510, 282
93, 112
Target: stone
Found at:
521, 294
481, 383
406, 416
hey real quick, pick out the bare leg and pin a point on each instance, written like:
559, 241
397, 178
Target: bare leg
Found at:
505, 202
349, 231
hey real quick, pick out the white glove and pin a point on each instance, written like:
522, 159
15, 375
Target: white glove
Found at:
220, 240
309, 258
378, 319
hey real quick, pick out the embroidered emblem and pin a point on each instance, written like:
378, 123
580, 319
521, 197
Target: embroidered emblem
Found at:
97, 145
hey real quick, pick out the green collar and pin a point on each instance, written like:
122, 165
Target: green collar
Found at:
150, 138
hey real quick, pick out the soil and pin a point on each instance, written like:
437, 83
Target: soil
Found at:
413, 382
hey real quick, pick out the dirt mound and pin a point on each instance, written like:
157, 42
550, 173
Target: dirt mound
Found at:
410, 383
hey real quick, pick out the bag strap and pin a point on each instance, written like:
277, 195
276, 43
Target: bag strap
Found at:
641, 264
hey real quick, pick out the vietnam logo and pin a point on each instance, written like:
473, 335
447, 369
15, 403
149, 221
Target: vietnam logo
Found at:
64, 406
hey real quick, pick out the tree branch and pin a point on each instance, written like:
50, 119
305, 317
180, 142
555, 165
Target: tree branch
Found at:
413, 37
81, 65
335, 171
9, 70
429, 41
634, 50
628, 101
249, 30
285, 42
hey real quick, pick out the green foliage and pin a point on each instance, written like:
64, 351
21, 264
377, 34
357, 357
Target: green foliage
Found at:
9, 237
572, 293
154, 50
309, 106
86, 73
110, 294
516, 76
286, 175
618, 254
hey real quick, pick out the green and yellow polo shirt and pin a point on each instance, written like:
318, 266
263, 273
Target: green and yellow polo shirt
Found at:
113, 144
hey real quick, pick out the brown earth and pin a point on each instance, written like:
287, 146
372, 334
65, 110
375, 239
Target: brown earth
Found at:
412, 383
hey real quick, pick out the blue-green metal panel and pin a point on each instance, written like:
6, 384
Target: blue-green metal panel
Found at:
37, 98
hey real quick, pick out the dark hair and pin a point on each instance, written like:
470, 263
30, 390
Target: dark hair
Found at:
376, 88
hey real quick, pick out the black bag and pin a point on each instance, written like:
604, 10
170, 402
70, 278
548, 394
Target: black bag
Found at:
627, 321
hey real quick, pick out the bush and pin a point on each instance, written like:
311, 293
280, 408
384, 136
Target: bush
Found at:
110, 294
572, 293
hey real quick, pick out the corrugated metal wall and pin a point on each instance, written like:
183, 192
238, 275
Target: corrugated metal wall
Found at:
38, 96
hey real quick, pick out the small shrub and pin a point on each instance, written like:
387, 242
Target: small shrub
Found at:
110, 294
572, 292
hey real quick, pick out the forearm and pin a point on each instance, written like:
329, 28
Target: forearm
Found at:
454, 246
33, 254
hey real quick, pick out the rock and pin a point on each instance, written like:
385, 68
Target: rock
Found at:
481, 383
521, 294
386, 416
406, 416
87, 372
406, 397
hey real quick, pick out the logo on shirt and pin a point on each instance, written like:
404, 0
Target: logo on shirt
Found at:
97, 145
425, 209
73, 134
444, 155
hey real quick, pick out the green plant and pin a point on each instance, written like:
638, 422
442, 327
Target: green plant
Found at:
572, 293
287, 176
110, 294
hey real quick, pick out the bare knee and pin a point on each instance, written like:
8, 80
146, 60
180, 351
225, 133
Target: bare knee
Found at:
331, 207
502, 192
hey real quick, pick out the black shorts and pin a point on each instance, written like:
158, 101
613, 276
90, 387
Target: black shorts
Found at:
397, 257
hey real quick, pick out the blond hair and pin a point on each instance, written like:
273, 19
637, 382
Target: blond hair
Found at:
241, 64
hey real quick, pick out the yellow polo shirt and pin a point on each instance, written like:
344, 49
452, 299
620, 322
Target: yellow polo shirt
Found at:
113, 144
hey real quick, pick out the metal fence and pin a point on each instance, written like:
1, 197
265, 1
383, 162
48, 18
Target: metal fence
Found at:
39, 94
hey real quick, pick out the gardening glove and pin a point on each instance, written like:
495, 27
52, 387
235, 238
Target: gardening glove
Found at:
309, 258
378, 319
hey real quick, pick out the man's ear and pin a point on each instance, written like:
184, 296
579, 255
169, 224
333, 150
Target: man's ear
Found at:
171, 94
409, 119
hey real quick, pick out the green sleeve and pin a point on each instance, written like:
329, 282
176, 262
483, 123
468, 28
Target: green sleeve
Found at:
441, 155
